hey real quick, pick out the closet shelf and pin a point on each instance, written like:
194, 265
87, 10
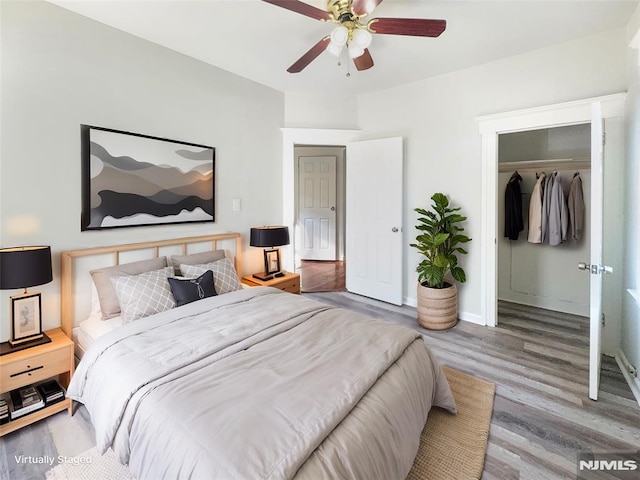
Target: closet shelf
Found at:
545, 165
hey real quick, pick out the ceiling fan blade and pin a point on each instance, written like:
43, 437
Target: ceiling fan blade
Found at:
364, 61
302, 8
408, 26
310, 56
364, 7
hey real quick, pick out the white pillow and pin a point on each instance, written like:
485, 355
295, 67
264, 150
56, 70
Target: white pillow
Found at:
145, 294
225, 277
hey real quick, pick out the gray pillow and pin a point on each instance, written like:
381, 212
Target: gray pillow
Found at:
145, 294
225, 277
194, 259
109, 304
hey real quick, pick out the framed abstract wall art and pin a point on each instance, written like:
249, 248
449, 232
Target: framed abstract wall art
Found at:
129, 179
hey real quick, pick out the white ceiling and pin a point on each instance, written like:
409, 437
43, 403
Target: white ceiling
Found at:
260, 41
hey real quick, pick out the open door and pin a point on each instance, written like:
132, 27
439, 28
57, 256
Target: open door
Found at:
374, 219
595, 268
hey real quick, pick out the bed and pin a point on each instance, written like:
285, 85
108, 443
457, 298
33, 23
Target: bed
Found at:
253, 383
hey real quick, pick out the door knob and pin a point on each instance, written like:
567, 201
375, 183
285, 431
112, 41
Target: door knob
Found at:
394, 229
333, 209
595, 269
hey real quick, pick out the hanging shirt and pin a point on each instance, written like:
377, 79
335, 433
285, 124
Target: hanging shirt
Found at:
546, 207
558, 214
513, 222
575, 203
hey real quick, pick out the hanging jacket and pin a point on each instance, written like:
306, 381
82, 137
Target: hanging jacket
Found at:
535, 211
575, 203
558, 214
513, 222
546, 207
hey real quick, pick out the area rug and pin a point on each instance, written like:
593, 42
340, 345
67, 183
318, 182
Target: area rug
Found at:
454, 446
451, 446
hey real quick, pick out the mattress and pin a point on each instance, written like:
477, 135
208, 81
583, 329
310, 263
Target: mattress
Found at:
89, 330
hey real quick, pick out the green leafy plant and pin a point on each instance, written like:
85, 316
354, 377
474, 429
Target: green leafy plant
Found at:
439, 241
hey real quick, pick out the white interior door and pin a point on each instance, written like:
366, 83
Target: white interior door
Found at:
317, 207
374, 219
596, 268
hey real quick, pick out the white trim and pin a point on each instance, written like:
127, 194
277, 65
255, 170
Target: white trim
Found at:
302, 136
578, 111
634, 383
490, 126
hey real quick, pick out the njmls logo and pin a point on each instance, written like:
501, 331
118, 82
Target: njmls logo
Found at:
620, 465
605, 465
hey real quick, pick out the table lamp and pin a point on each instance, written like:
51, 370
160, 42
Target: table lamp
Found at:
269, 237
22, 267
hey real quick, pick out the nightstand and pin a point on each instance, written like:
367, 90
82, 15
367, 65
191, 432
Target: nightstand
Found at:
32, 365
289, 283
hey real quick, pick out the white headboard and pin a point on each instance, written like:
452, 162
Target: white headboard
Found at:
75, 287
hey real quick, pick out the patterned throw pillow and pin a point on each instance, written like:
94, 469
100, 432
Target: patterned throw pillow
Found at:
187, 290
225, 277
145, 294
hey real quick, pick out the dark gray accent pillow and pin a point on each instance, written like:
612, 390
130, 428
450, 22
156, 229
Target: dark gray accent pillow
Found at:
109, 304
194, 259
192, 289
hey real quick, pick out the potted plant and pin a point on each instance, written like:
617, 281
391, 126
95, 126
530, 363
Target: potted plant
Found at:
439, 242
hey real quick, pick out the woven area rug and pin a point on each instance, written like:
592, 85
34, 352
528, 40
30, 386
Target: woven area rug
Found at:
451, 446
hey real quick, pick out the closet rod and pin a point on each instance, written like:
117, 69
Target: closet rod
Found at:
545, 165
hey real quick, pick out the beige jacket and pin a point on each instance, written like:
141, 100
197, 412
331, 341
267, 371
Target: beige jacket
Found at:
535, 212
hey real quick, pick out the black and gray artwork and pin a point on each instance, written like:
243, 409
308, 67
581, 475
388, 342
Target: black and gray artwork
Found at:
137, 180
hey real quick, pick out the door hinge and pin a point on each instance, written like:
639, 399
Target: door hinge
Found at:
604, 138
603, 319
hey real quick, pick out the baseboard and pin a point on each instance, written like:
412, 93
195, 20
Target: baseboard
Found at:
634, 383
471, 318
466, 316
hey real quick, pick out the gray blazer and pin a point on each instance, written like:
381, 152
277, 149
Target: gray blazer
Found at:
558, 214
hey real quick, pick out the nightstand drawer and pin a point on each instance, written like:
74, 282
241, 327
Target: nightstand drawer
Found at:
33, 369
292, 286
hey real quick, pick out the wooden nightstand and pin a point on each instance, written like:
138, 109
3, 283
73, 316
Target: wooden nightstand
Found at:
54, 359
289, 283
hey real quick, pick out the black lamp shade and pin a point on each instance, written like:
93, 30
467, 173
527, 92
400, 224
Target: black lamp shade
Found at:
22, 267
269, 236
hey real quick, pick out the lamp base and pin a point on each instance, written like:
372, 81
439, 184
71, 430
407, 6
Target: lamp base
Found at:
263, 276
6, 347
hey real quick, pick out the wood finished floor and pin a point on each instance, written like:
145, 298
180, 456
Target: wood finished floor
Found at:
322, 276
538, 360
542, 414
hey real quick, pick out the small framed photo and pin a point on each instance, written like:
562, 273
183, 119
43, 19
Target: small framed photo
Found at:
26, 323
271, 261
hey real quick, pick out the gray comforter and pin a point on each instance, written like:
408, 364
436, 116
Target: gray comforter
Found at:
260, 384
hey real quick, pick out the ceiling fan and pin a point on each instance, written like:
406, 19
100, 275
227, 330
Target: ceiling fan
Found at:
351, 32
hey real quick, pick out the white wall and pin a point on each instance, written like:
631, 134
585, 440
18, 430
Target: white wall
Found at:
443, 146
630, 330
59, 70
321, 110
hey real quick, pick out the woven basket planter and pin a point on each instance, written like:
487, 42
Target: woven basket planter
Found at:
437, 307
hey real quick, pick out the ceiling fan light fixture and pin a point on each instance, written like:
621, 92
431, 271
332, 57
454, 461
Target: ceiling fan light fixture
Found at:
340, 36
362, 38
334, 49
355, 51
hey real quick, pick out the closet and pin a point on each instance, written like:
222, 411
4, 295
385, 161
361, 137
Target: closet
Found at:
540, 274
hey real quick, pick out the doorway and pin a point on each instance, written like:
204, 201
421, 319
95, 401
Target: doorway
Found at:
320, 207
609, 109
